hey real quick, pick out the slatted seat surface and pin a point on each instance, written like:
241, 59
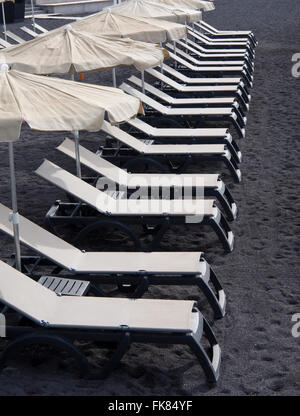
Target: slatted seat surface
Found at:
65, 287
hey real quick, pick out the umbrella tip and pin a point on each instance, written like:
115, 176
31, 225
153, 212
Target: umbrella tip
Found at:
4, 68
69, 27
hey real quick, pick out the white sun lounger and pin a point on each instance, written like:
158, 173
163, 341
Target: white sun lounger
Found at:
217, 47
60, 320
235, 33
212, 52
200, 91
211, 184
167, 152
210, 135
195, 87
183, 64
192, 54
129, 268
197, 48
202, 62
212, 32
207, 101
220, 42
137, 211
198, 115
197, 103
210, 82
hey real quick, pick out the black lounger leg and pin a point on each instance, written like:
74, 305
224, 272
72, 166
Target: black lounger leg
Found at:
162, 228
211, 368
227, 203
223, 231
234, 120
233, 168
217, 302
117, 356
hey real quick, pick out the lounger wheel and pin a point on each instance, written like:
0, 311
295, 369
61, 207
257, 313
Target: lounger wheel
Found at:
144, 164
59, 343
110, 232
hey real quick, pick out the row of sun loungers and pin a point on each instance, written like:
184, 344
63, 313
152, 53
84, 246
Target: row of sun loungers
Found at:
195, 108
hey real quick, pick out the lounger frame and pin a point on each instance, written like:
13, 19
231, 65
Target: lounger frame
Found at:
135, 285
79, 213
63, 339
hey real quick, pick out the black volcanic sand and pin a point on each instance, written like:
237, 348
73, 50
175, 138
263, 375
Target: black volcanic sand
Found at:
261, 279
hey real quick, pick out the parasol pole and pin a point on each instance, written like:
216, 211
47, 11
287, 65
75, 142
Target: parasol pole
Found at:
114, 76
32, 16
77, 152
4, 21
175, 53
14, 216
76, 140
143, 81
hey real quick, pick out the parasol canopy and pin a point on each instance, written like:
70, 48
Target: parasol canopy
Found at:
51, 104
149, 9
68, 49
146, 30
189, 4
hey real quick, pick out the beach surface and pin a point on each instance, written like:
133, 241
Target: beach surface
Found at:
261, 277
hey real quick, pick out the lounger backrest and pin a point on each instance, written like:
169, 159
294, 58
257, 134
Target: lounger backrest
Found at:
182, 61
4, 43
197, 36
197, 46
187, 47
144, 98
75, 186
40, 240
26, 296
152, 90
124, 137
96, 163
174, 73
142, 126
15, 37
182, 53
163, 77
